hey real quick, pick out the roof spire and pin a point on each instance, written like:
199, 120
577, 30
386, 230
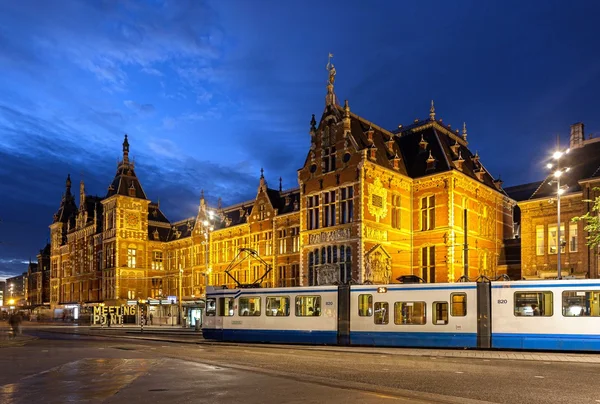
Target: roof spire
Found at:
432, 112
262, 172
68, 185
125, 150
464, 131
330, 98
280, 188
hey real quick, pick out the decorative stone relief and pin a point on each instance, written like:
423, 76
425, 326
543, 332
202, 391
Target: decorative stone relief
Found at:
378, 268
376, 234
328, 236
377, 203
328, 274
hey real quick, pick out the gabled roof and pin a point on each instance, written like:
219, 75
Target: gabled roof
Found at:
126, 182
155, 214
68, 208
583, 163
522, 192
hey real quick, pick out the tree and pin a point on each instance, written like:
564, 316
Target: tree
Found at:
592, 220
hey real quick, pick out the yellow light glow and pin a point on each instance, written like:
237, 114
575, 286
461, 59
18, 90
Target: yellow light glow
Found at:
11, 302
561, 191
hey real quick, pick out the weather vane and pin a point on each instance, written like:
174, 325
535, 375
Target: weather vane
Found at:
331, 69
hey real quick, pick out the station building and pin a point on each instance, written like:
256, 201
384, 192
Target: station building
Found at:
371, 205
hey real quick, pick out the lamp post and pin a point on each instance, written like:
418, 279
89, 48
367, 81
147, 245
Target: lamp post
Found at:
558, 173
208, 228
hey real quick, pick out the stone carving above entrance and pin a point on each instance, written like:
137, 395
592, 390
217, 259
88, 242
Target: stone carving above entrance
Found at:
328, 274
377, 203
378, 267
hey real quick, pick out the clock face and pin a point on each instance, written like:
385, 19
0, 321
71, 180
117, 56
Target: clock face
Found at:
131, 219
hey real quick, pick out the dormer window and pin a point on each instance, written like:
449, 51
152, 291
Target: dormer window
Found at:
132, 190
262, 211
328, 159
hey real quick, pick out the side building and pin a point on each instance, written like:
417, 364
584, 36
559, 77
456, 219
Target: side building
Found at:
537, 208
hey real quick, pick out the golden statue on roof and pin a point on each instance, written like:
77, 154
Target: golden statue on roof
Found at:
331, 69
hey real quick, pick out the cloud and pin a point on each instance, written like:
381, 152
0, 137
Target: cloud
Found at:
152, 71
140, 108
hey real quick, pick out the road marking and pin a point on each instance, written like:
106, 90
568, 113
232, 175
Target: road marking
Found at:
459, 372
547, 363
539, 377
486, 360
100, 348
432, 358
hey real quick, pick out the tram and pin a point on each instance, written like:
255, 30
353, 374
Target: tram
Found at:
532, 315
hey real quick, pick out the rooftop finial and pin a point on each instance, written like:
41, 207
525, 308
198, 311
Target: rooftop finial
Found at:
68, 183
262, 172
432, 112
330, 97
280, 181
313, 123
464, 131
125, 150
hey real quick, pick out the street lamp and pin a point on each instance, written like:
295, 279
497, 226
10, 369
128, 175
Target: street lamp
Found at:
558, 173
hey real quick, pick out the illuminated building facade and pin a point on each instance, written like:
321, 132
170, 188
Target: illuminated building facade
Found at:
371, 205
537, 203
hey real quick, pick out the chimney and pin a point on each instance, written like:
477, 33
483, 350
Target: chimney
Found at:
577, 135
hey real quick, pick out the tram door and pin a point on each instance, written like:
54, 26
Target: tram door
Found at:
484, 315
343, 307
212, 325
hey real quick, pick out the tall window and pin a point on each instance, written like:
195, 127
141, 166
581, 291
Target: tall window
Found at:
269, 243
313, 212
347, 194
294, 275
262, 211
428, 212
313, 261
157, 260
329, 209
131, 257
282, 241
328, 159
428, 264
553, 239
539, 239
573, 237
396, 211
345, 264
295, 233
281, 276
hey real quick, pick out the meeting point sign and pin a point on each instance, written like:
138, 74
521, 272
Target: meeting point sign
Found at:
103, 315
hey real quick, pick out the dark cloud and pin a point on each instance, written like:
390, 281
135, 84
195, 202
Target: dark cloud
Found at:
140, 108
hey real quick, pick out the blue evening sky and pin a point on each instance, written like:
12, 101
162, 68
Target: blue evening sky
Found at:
211, 91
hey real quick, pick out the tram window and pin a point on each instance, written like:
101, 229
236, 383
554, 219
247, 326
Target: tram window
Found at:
278, 306
249, 306
226, 306
440, 313
308, 306
365, 305
459, 304
579, 303
382, 313
211, 307
409, 313
533, 304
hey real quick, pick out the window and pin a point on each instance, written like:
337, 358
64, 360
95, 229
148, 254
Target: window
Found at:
328, 159
313, 212
157, 260
308, 306
345, 264
578, 303
572, 237
278, 306
428, 212
459, 304
295, 233
211, 307
365, 305
409, 313
262, 211
539, 239
313, 261
440, 313
329, 209
294, 276
382, 313
428, 264
249, 306
131, 253
269, 243
377, 201
396, 214
282, 241
226, 306
280, 277
346, 206
533, 304
553, 237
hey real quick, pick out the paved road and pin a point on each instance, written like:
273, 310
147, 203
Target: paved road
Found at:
81, 368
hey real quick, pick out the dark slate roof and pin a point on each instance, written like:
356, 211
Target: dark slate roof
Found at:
162, 231
68, 208
583, 163
236, 214
181, 229
522, 192
155, 214
94, 204
124, 180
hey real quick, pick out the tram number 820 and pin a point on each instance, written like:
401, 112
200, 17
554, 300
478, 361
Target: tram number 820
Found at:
502, 301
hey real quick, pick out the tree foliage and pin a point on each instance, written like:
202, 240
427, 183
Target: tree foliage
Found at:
592, 222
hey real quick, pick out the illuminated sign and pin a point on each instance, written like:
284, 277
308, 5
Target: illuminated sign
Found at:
382, 289
113, 314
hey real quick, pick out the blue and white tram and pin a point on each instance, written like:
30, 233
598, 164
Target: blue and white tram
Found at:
414, 315
547, 315
305, 315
